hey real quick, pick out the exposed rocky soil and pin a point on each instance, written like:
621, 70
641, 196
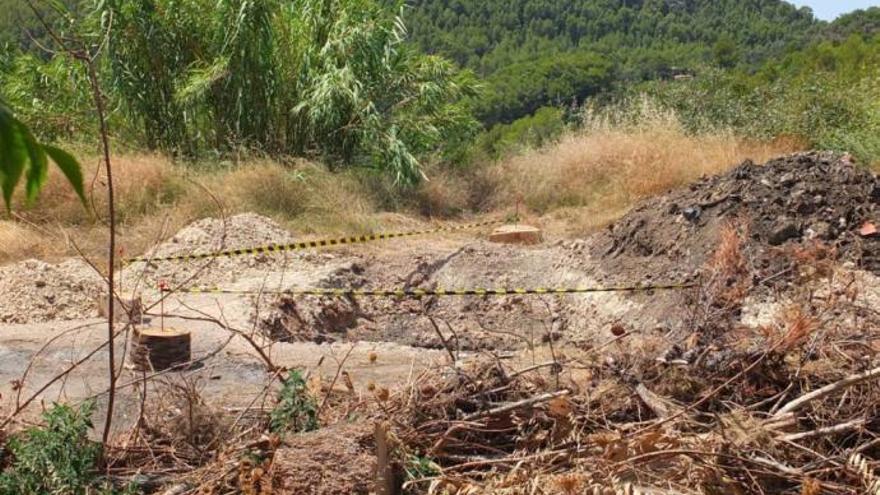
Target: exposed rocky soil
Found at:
466, 323
786, 202
789, 202
33, 291
210, 235
783, 203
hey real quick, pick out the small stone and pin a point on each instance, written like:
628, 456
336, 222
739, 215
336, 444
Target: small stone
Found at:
820, 230
692, 213
788, 180
784, 231
869, 230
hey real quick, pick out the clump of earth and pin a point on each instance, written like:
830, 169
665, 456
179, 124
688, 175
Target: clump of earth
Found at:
33, 291
816, 197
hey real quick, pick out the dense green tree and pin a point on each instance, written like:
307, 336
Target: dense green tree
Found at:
521, 88
533, 131
827, 94
725, 53
343, 80
488, 34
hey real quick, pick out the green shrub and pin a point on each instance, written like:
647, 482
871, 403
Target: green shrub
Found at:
531, 132
57, 458
51, 96
296, 409
827, 95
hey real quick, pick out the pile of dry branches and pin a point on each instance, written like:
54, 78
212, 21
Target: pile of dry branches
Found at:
790, 406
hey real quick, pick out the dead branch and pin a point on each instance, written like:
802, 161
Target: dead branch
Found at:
384, 473
516, 405
828, 430
339, 367
549, 364
441, 337
661, 407
828, 390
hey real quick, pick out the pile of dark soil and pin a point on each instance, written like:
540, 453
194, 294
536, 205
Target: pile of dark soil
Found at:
786, 202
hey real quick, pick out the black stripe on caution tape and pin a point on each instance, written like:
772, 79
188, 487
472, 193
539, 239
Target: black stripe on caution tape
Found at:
297, 246
417, 293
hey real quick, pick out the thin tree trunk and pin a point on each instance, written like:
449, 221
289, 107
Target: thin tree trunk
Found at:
111, 263
82, 54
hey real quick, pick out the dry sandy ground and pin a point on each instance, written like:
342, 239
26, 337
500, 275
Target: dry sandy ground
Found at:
397, 333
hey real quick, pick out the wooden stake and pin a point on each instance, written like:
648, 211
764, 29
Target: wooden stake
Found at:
384, 472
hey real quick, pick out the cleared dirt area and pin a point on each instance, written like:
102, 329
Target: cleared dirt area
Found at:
781, 257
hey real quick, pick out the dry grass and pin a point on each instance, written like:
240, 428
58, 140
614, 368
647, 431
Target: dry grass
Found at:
306, 196
144, 184
155, 198
603, 170
18, 241
585, 180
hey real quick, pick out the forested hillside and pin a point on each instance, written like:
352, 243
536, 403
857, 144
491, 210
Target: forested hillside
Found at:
490, 34
862, 22
352, 83
510, 42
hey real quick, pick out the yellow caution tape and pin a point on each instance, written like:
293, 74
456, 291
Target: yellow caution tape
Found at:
417, 293
296, 246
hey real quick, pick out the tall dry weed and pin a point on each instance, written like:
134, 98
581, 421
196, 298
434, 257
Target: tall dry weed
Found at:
156, 197
18, 241
584, 181
144, 185
306, 196
615, 161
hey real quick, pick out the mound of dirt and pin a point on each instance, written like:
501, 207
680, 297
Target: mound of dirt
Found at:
33, 291
787, 201
314, 319
210, 235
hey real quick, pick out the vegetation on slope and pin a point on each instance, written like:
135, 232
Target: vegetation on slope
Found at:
504, 41
827, 94
330, 79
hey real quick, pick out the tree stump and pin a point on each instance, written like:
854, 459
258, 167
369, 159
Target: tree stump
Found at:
155, 349
516, 234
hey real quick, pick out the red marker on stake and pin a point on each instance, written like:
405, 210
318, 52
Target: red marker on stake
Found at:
163, 288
